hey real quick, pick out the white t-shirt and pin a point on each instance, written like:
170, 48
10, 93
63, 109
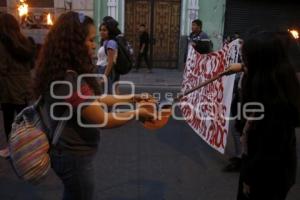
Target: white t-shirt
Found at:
102, 57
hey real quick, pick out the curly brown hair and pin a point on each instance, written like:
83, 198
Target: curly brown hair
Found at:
65, 49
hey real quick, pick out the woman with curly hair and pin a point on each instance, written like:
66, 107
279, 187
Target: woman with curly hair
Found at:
269, 157
66, 56
17, 54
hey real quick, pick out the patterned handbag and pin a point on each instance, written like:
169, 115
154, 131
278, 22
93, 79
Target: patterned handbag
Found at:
29, 143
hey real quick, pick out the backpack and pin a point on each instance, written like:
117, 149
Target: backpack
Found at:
29, 145
124, 62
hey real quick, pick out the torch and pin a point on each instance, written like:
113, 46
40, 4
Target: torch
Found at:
23, 11
49, 20
294, 33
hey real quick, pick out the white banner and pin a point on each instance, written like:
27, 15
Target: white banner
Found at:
207, 110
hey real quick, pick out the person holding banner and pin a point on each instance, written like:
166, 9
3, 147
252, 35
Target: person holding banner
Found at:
199, 39
269, 142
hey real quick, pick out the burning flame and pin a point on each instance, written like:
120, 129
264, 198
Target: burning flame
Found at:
295, 33
23, 8
49, 20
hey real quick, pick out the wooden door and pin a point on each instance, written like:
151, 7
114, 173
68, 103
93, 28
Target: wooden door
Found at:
162, 19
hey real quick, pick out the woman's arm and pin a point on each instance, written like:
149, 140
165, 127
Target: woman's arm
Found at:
110, 60
95, 114
110, 100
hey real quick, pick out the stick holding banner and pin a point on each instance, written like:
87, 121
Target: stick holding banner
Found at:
232, 69
166, 112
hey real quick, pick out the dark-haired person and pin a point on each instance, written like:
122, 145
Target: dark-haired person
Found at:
108, 52
17, 54
110, 19
143, 48
198, 38
65, 56
269, 155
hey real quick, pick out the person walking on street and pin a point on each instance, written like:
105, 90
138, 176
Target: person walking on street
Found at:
108, 52
143, 48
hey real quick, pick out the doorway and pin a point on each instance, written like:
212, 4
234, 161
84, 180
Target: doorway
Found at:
162, 19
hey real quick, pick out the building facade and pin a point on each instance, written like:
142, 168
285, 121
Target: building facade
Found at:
169, 21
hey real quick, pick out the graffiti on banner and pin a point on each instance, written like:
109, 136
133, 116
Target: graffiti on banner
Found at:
207, 110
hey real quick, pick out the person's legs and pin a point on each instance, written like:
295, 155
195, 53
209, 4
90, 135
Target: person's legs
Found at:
138, 63
3, 143
270, 190
8, 117
4, 152
241, 195
77, 175
116, 84
234, 162
9, 111
145, 56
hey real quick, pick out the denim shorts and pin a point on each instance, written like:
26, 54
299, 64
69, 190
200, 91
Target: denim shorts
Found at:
110, 78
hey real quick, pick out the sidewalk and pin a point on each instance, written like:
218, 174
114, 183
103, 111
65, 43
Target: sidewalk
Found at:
158, 77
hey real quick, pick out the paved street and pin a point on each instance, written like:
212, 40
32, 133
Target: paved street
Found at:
132, 163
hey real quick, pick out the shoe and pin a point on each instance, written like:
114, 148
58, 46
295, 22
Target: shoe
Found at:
4, 153
233, 166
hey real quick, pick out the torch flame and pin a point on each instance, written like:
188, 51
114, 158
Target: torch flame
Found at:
23, 8
49, 20
295, 33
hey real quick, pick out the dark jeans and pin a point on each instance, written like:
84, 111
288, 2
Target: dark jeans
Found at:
76, 173
9, 111
144, 56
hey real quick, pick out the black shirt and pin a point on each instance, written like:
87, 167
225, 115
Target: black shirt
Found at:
271, 143
144, 39
74, 138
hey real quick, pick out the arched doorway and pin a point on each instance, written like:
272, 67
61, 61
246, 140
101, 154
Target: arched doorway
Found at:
162, 19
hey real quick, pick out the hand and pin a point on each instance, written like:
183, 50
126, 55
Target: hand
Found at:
144, 97
246, 190
145, 115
